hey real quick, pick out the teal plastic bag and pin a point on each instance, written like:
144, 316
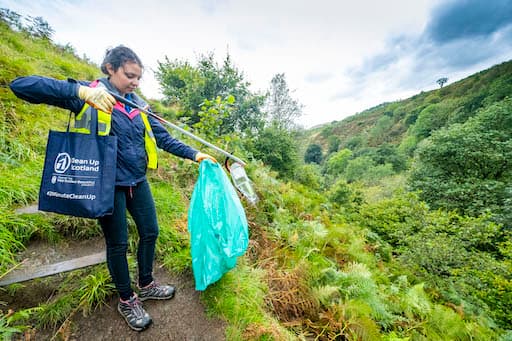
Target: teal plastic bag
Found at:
217, 225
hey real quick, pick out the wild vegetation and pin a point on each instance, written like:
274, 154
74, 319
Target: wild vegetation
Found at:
393, 224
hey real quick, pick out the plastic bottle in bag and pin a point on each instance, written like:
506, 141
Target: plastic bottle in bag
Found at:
242, 182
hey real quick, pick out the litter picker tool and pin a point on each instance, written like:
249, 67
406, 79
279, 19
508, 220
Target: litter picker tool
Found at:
173, 126
236, 170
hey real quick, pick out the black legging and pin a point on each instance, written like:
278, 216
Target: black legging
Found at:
139, 202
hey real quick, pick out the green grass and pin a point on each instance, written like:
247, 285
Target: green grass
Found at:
12, 323
15, 231
239, 298
16, 193
95, 290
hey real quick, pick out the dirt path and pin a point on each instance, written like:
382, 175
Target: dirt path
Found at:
182, 318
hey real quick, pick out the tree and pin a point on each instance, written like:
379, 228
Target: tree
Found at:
338, 161
278, 149
39, 28
12, 18
380, 131
431, 118
442, 81
188, 87
313, 154
357, 168
467, 167
280, 106
333, 143
181, 83
383, 154
309, 175
35, 26
212, 116
342, 194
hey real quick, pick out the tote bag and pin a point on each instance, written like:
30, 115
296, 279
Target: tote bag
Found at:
79, 173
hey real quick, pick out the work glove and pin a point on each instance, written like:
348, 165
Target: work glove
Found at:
202, 156
97, 98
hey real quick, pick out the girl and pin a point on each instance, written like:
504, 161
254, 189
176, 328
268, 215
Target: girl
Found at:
138, 135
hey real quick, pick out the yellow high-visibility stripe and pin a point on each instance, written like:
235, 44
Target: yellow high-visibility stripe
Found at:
82, 123
150, 143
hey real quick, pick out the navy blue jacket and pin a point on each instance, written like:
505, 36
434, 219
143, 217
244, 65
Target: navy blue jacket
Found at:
131, 152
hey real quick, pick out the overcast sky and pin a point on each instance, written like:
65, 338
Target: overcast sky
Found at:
339, 57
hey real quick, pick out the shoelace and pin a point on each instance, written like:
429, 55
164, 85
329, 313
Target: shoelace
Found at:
152, 285
137, 309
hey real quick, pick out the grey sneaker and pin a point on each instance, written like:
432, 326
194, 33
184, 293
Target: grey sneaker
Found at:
134, 314
155, 291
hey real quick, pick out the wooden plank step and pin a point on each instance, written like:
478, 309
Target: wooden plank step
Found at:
23, 273
28, 209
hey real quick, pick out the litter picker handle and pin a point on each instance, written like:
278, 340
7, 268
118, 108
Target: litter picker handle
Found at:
181, 130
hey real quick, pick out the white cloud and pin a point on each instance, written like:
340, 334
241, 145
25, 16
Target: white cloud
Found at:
326, 48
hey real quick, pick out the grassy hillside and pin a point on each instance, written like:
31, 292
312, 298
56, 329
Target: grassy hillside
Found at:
340, 264
409, 121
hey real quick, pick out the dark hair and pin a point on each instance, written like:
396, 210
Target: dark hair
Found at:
117, 56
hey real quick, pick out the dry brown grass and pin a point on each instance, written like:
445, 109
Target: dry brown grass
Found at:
290, 296
261, 249
342, 322
180, 224
256, 331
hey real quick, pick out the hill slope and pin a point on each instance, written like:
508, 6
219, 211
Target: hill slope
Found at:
416, 117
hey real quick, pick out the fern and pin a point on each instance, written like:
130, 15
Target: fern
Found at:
415, 302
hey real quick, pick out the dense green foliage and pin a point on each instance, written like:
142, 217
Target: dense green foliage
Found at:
278, 149
467, 167
454, 146
313, 154
339, 247
189, 87
459, 257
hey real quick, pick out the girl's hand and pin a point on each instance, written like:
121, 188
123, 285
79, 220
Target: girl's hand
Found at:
203, 156
97, 97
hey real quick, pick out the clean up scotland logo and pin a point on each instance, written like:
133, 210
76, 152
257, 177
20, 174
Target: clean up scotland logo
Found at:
62, 162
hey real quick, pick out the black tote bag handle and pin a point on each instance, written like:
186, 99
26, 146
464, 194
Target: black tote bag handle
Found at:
94, 125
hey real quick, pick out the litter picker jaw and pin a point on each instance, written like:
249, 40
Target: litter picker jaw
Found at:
241, 181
